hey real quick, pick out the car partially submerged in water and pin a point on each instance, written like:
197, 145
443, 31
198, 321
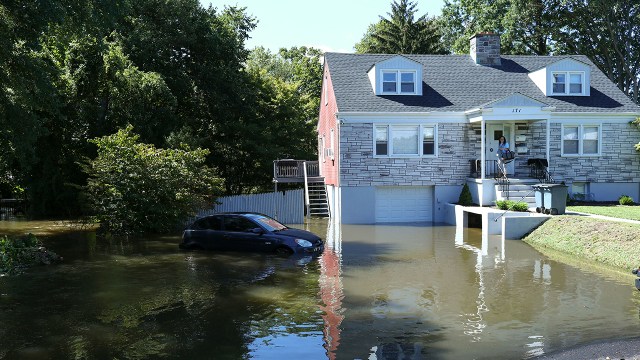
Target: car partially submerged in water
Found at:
249, 232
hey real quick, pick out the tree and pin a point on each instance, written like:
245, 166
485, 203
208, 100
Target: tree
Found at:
605, 31
401, 33
298, 65
134, 187
525, 26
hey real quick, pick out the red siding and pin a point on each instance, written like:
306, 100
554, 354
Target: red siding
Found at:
326, 122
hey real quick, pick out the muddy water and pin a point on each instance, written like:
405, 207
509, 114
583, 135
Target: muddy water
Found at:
378, 292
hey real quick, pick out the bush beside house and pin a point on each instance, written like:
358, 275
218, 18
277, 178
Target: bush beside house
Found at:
135, 188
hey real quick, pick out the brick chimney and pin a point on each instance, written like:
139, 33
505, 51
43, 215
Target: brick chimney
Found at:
485, 49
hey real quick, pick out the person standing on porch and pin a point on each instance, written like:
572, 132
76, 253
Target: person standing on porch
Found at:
503, 148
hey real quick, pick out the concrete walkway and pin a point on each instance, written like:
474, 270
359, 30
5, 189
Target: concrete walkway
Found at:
602, 217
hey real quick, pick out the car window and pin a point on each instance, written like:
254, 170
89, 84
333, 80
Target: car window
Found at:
214, 223
208, 223
268, 223
238, 223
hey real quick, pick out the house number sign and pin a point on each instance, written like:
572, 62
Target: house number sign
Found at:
516, 110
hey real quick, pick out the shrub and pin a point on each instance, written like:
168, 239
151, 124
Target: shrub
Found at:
136, 188
17, 253
626, 200
519, 206
512, 205
502, 204
465, 196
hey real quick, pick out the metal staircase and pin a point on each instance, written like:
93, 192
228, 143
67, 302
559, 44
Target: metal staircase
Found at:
318, 204
307, 173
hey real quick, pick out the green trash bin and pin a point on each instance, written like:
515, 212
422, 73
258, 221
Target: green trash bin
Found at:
551, 198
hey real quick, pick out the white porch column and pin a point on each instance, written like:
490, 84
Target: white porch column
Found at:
548, 140
482, 162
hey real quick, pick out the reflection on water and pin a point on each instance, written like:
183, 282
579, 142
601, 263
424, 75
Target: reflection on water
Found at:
378, 292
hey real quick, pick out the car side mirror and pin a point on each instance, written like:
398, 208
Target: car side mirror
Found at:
258, 231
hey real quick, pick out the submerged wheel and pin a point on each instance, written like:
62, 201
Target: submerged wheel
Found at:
539, 209
283, 251
547, 211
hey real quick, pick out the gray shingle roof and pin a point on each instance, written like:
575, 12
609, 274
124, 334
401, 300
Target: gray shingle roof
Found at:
456, 83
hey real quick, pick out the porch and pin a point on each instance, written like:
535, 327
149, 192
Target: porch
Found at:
488, 184
530, 168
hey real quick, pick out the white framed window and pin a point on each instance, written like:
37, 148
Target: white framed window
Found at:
580, 191
399, 82
581, 140
567, 83
405, 140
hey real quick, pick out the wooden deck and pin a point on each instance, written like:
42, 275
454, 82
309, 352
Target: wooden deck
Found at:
292, 171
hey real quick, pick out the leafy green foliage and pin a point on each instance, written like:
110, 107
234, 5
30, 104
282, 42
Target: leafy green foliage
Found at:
605, 31
134, 187
626, 200
502, 204
512, 205
17, 253
176, 71
519, 206
465, 196
402, 33
525, 26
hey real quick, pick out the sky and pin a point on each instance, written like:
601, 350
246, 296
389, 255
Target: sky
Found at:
329, 25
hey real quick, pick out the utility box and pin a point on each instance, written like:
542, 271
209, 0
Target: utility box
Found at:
551, 198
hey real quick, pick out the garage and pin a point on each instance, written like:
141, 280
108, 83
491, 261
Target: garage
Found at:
404, 203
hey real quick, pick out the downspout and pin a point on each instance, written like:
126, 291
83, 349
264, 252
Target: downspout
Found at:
336, 211
482, 161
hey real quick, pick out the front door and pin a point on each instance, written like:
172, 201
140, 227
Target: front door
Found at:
494, 131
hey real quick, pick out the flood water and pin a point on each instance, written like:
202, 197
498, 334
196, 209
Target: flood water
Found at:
377, 292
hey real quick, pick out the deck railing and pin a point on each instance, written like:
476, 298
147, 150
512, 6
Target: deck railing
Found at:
538, 170
295, 169
490, 168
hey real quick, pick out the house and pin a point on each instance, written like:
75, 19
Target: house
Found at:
399, 135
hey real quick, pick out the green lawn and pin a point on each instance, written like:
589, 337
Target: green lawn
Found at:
607, 242
617, 211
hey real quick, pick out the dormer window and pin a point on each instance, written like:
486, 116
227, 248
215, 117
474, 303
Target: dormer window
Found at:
398, 82
568, 83
389, 82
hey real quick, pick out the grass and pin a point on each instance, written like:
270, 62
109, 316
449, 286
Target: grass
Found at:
608, 242
617, 211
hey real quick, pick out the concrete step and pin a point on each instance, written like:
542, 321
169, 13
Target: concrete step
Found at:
519, 193
517, 186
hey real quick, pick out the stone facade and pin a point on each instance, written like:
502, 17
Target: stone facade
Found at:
485, 49
456, 146
460, 143
619, 162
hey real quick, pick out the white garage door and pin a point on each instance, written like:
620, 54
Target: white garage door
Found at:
404, 203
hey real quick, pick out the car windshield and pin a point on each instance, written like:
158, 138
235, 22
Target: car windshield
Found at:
267, 222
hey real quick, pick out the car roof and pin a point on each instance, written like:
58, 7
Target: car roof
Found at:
233, 213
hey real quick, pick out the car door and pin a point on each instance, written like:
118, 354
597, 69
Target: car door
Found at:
240, 236
207, 232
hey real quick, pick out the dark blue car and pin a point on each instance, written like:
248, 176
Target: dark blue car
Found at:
249, 232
